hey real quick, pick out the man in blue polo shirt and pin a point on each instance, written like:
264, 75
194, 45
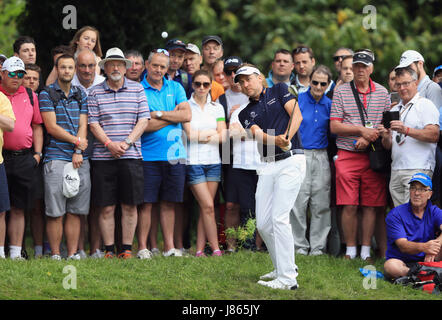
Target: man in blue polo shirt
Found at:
163, 151
273, 118
413, 229
315, 190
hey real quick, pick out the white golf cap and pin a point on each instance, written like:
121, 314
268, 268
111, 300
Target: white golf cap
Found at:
246, 71
13, 64
408, 57
193, 48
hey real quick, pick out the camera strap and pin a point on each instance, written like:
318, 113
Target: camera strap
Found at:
358, 102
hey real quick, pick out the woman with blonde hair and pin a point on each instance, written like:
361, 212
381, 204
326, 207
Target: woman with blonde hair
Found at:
87, 37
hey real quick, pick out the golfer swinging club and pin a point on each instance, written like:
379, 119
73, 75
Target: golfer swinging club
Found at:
273, 118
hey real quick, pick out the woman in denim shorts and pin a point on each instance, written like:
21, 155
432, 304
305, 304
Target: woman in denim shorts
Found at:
205, 132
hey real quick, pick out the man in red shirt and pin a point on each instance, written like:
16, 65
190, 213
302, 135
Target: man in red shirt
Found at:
22, 149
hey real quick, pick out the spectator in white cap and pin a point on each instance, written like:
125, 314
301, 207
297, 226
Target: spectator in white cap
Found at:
22, 149
193, 62
427, 88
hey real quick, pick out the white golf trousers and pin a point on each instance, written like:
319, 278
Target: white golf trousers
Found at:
278, 186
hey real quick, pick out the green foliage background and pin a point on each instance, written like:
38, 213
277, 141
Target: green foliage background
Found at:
252, 29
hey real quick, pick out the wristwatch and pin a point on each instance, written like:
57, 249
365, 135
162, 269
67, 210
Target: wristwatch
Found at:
39, 154
159, 114
129, 142
78, 151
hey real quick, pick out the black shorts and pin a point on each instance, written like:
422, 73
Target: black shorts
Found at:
117, 181
20, 173
240, 187
4, 193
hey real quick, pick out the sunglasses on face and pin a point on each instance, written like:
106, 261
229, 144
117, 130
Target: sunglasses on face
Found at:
323, 84
19, 75
337, 58
164, 51
204, 84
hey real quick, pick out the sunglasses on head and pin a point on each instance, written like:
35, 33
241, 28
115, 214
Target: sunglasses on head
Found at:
19, 75
301, 50
204, 84
164, 51
315, 83
337, 58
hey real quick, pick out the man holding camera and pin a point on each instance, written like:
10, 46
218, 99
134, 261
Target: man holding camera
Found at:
413, 138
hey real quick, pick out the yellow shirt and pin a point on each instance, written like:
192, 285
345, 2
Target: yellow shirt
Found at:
5, 110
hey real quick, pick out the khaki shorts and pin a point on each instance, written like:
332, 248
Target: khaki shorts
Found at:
56, 203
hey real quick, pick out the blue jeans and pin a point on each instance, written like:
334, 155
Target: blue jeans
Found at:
202, 173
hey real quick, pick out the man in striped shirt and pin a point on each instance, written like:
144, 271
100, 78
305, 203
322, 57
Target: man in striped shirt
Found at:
63, 108
356, 183
118, 115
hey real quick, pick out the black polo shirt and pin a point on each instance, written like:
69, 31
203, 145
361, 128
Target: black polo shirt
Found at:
269, 114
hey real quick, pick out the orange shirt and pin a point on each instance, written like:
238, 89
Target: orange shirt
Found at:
217, 90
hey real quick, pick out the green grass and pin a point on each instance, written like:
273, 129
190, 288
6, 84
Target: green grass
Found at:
231, 277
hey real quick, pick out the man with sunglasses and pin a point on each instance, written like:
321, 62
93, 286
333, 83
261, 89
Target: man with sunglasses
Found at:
356, 183
315, 190
413, 229
413, 138
22, 150
163, 151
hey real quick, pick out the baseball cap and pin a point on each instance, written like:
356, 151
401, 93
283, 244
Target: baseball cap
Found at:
408, 57
211, 38
175, 44
193, 48
245, 71
364, 56
422, 178
438, 68
13, 64
232, 62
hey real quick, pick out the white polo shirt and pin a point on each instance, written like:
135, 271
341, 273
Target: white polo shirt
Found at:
204, 119
245, 153
414, 154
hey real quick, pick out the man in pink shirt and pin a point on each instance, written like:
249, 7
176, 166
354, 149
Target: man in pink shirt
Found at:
22, 150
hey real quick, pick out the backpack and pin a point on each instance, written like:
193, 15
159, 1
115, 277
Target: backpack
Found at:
55, 97
426, 276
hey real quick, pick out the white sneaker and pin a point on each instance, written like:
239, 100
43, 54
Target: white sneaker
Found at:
98, 254
75, 256
144, 254
302, 251
155, 252
172, 253
82, 254
276, 284
269, 276
316, 253
56, 257
18, 258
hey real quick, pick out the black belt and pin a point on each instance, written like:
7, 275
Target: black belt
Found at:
16, 152
282, 156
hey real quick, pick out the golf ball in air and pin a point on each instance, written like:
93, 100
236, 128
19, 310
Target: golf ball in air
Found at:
164, 34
